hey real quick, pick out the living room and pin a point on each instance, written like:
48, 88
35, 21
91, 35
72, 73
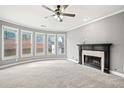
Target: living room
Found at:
61, 46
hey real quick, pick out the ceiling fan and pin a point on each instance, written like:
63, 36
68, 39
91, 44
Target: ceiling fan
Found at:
58, 13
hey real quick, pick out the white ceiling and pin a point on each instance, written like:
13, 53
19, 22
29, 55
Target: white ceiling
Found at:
33, 15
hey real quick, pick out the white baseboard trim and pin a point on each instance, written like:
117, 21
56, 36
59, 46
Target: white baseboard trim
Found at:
72, 60
117, 73
29, 61
112, 72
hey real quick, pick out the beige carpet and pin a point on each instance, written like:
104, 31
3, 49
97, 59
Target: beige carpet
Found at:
58, 74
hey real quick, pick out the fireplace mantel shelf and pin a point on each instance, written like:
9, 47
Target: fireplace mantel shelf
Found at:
99, 44
105, 47
95, 47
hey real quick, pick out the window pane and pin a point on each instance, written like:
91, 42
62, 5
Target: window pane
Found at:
9, 43
60, 44
51, 44
26, 43
40, 43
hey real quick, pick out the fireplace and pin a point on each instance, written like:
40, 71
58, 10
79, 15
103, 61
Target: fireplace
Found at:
93, 58
92, 61
95, 55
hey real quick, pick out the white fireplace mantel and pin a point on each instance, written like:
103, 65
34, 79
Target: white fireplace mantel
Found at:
94, 53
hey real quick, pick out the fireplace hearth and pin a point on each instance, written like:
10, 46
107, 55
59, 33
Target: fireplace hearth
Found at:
95, 55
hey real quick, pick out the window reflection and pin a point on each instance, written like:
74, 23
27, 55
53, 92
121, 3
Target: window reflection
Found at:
60, 44
9, 43
40, 43
26, 43
51, 44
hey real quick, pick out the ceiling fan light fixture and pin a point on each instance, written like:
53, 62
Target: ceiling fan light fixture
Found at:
58, 19
61, 16
62, 9
55, 16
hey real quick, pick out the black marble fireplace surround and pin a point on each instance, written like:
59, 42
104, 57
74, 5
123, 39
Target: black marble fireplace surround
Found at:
104, 47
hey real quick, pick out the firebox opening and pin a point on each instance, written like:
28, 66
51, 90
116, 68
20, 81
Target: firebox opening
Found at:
92, 61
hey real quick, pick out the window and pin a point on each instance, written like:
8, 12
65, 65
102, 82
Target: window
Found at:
26, 43
51, 44
60, 44
10, 42
39, 44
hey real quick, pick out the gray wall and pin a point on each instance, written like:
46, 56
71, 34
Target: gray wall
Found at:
108, 30
33, 57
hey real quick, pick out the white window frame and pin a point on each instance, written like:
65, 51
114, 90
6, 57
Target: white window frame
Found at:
57, 43
27, 55
17, 48
43, 53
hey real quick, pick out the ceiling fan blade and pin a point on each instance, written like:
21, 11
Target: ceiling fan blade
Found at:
65, 6
48, 16
48, 8
67, 14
